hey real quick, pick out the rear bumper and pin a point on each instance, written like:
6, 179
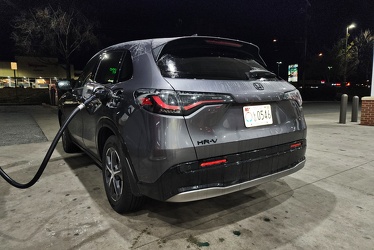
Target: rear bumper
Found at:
189, 181
218, 191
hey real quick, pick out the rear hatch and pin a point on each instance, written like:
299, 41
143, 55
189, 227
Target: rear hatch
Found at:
230, 102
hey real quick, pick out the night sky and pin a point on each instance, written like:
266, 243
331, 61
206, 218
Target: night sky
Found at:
256, 21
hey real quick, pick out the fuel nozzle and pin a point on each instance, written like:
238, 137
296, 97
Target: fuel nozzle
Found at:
103, 94
97, 90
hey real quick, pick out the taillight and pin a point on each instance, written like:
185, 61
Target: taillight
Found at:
294, 95
177, 103
162, 102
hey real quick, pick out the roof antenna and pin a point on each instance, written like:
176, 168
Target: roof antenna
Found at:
195, 34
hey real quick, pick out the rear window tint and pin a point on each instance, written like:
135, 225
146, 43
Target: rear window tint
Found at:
207, 60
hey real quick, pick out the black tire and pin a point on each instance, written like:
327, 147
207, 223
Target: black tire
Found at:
116, 181
67, 143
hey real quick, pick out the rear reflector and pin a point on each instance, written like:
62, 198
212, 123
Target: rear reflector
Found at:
211, 163
296, 145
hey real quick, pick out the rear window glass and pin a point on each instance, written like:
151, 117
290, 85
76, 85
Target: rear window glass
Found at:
208, 60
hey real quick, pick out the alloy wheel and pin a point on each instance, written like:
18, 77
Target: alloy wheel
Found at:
113, 174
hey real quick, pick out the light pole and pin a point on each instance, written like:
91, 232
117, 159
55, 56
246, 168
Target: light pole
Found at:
328, 75
346, 52
279, 63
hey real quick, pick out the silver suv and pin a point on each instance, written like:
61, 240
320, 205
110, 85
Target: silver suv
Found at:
190, 118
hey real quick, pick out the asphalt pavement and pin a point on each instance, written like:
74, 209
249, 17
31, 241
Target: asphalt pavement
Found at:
329, 204
19, 127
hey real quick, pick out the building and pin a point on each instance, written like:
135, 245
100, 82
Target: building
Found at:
35, 72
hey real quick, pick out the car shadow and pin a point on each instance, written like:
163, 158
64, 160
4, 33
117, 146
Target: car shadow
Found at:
183, 215
178, 220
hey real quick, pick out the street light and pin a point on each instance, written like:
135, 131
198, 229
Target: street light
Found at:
279, 63
346, 52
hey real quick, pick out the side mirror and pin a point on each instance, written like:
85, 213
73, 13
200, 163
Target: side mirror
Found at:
64, 85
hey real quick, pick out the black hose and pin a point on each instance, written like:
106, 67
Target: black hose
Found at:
49, 152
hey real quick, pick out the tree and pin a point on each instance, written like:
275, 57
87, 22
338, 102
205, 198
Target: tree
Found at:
52, 31
359, 57
364, 46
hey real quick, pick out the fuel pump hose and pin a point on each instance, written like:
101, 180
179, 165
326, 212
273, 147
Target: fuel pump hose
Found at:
50, 150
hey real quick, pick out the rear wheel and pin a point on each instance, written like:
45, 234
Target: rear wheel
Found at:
116, 181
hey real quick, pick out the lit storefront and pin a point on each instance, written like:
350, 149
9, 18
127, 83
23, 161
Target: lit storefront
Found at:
32, 72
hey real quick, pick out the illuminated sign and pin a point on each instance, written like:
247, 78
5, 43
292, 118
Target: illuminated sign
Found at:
13, 66
293, 72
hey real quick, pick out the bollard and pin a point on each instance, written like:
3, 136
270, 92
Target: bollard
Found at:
343, 108
355, 102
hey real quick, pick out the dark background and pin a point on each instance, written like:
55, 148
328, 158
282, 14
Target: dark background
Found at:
257, 21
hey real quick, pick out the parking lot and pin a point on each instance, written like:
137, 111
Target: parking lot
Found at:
329, 204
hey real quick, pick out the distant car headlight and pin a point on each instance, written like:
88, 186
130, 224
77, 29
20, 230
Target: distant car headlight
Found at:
294, 95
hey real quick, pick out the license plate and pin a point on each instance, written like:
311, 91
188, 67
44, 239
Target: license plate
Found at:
257, 115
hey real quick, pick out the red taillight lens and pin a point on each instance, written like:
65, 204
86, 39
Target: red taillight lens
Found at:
162, 102
177, 103
146, 101
164, 105
200, 103
212, 163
